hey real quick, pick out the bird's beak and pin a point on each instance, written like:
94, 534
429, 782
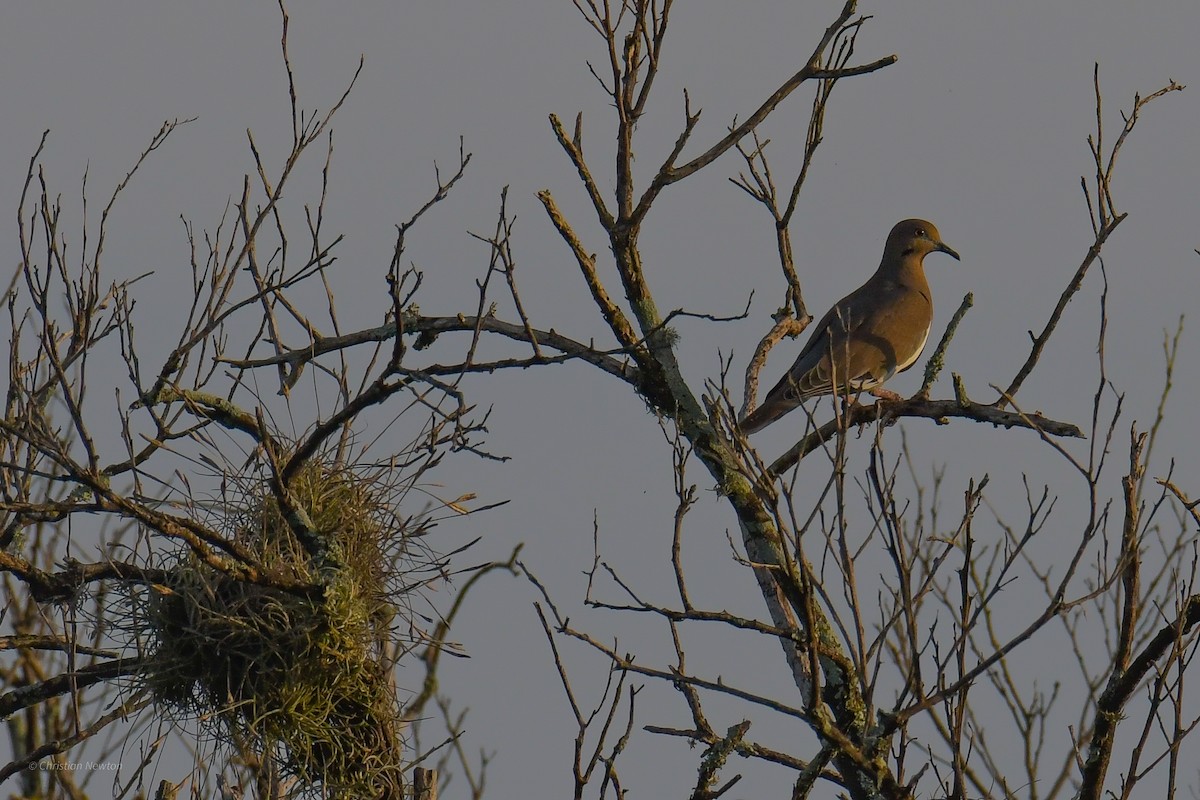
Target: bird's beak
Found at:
948, 250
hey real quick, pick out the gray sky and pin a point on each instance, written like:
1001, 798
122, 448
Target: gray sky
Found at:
980, 126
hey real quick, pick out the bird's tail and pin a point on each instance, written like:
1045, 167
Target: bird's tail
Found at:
764, 415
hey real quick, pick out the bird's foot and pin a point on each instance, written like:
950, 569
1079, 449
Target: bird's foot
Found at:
886, 394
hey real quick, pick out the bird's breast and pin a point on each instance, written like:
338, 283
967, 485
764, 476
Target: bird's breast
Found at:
906, 328
905, 363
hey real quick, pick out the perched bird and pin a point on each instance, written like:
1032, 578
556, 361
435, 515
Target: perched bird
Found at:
874, 332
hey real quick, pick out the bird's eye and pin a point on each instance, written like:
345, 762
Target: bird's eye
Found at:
922, 232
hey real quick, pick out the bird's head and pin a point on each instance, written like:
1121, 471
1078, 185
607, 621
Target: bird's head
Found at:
916, 237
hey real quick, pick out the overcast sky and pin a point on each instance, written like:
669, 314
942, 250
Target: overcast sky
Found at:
980, 126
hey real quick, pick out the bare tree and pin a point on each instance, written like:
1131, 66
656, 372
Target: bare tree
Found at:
896, 702
231, 536
262, 566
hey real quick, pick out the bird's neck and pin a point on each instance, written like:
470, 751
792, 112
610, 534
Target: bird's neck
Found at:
905, 271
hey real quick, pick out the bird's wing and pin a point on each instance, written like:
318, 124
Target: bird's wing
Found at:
811, 373
892, 336
835, 335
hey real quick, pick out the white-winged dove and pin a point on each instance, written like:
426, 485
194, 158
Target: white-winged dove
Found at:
874, 332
